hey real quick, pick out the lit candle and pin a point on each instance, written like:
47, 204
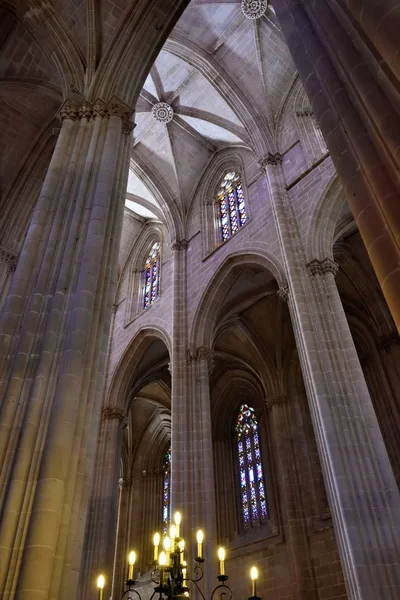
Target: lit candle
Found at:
156, 541
131, 562
221, 556
200, 538
167, 547
254, 576
177, 519
162, 561
172, 535
100, 584
184, 570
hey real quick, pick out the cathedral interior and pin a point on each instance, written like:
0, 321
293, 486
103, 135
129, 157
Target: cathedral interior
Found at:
200, 299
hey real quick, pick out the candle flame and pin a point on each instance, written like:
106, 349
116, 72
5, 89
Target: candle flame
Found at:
100, 582
177, 518
221, 553
162, 561
172, 532
156, 539
132, 558
200, 536
254, 573
167, 543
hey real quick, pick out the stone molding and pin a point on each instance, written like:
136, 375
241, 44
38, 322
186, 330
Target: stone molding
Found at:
162, 112
319, 268
9, 258
283, 291
179, 245
254, 9
112, 412
270, 159
90, 110
203, 353
276, 401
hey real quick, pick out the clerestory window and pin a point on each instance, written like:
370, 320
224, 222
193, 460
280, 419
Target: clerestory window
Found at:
166, 509
231, 205
251, 477
151, 276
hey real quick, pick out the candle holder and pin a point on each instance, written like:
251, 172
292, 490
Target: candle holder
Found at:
127, 594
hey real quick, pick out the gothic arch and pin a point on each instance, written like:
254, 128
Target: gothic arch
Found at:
320, 235
204, 323
122, 378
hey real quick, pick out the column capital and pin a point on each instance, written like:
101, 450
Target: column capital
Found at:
9, 258
179, 245
124, 483
99, 108
112, 412
276, 401
321, 267
270, 160
283, 291
203, 353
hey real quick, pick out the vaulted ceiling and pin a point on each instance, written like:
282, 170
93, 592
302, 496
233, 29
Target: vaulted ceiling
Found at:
219, 82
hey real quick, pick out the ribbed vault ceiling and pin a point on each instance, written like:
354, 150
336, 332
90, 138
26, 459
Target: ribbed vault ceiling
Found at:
225, 77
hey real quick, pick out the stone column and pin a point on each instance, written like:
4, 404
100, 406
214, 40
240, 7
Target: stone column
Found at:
362, 491
123, 537
54, 331
356, 115
180, 433
203, 480
282, 416
101, 529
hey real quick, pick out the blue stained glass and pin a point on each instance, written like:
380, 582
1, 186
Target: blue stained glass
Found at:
151, 276
232, 207
252, 488
166, 491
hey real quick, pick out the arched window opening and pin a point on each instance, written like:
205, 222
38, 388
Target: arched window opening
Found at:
151, 276
252, 486
166, 510
232, 207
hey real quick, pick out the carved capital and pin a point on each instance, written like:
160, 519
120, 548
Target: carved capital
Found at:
276, 401
283, 291
270, 160
319, 268
124, 483
307, 112
179, 245
69, 110
112, 412
9, 258
203, 353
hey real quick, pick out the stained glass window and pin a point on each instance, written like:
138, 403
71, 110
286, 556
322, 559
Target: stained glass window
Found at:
252, 486
232, 207
166, 509
151, 276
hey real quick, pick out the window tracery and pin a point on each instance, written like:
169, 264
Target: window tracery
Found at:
151, 276
252, 485
166, 509
232, 206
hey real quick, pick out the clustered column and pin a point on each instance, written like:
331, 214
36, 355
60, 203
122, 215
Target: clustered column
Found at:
345, 67
54, 332
364, 498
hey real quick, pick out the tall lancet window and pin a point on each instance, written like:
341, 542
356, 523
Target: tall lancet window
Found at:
166, 509
232, 206
151, 276
252, 486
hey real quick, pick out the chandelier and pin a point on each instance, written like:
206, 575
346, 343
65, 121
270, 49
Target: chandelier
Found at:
170, 575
